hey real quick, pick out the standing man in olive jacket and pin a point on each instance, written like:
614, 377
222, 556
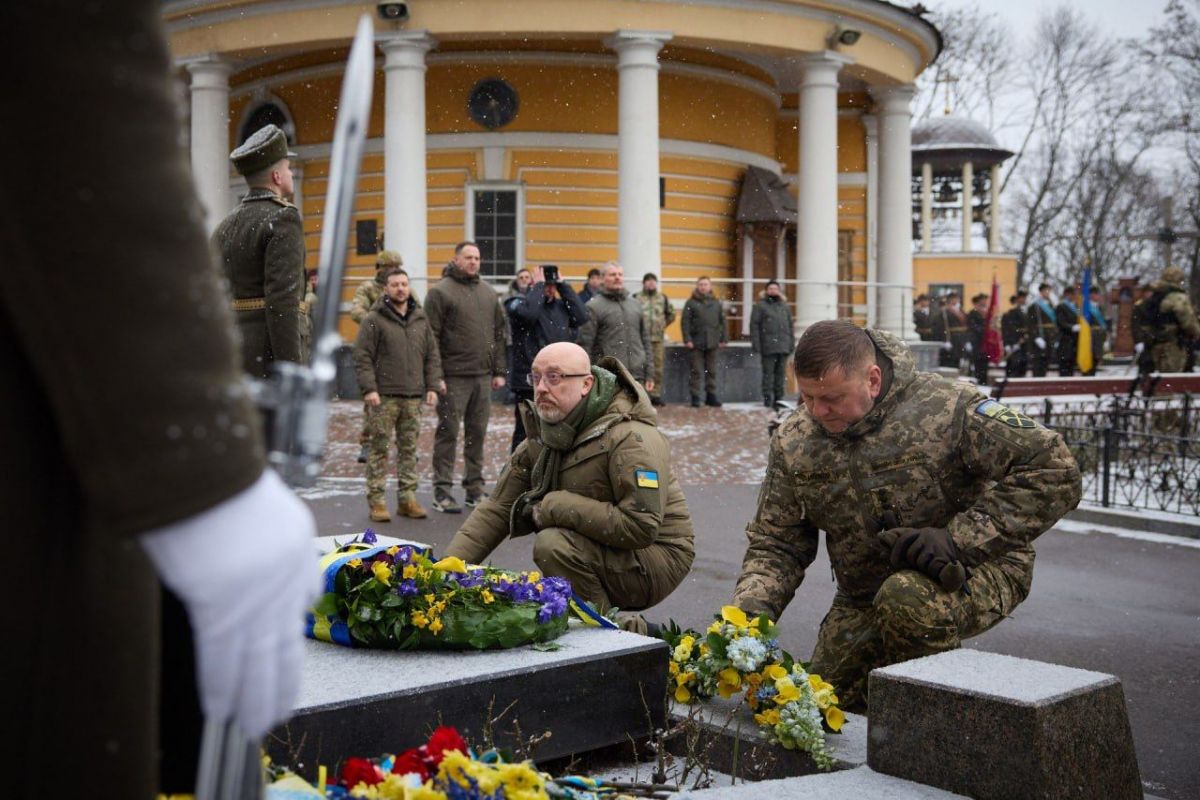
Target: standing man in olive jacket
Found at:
469, 325
261, 245
593, 482
772, 336
365, 297
130, 446
397, 363
659, 314
703, 334
617, 328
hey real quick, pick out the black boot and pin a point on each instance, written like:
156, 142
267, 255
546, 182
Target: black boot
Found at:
363, 452
712, 400
695, 401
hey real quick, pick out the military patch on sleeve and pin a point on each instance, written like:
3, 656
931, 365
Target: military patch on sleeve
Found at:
1002, 413
646, 479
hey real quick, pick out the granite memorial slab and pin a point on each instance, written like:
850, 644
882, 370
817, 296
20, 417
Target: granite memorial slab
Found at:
996, 727
859, 783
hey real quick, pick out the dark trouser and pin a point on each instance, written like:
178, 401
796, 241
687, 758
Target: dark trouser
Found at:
704, 371
518, 436
909, 617
467, 401
980, 363
1066, 356
632, 580
1040, 359
774, 373
1017, 363
948, 357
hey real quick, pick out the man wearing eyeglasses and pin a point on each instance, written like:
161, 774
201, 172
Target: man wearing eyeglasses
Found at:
593, 483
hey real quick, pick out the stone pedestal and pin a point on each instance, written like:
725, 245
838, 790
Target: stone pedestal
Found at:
599, 688
996, 727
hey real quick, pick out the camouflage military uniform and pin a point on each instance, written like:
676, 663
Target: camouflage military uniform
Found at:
931, 453
1169, 324
658, 313
365, 297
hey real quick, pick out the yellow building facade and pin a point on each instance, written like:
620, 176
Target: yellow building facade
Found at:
620, 130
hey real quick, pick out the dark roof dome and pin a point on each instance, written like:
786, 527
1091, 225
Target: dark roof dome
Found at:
949, 142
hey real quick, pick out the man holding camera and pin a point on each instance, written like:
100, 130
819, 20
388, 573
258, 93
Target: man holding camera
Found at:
593, 483
549, 312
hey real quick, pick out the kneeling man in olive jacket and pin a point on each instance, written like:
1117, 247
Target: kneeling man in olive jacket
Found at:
593, 481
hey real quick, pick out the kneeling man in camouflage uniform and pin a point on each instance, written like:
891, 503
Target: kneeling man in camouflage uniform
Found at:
929, 494
593, 482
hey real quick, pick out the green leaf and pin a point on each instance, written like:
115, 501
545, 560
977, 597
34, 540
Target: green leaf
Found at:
547, 647
327, 605
716, 644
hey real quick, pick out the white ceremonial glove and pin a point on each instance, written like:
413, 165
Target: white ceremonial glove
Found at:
1075, 329
246, 570
968, 347
1008, 349
946, 345
1040, 342
1139, 347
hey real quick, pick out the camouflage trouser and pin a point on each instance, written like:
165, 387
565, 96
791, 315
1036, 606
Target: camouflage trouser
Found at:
403, 416
1168, 357
909, 617
656, 372
610, 577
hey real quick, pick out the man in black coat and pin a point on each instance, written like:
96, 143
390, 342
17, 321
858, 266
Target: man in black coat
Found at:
547, 313
1014, 331
977, 325
1067, 317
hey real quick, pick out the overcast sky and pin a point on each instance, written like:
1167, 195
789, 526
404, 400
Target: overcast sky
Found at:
1115, 17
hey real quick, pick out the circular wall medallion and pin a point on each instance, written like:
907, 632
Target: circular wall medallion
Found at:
493, 103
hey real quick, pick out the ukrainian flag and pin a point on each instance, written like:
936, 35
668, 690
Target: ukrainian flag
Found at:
1083, 343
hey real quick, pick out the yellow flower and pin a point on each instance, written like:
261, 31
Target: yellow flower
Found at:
769, 718
419, 619
487, 597
753, 680
788, 691
729, 681
519, 778
535, 576
673, 668
683, 678
409, 572
451, 564
423, 793
682, 695
835, 718
354, 562
683, 650
775, 672
391, 551
715, 627
382, 572
817, 684
734, 616
435, 626
430, 599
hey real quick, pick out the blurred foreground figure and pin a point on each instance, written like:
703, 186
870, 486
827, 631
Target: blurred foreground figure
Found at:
125, 426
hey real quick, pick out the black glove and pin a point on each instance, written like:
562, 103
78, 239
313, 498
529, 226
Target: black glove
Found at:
930, 550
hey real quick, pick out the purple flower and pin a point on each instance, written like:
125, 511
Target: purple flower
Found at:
468, 580
407, 588
404, 555
555, 606
369, 537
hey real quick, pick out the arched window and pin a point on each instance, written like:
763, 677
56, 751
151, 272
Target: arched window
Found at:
267, 112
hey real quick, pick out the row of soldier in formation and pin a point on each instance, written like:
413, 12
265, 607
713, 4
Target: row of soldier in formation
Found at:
1039, 335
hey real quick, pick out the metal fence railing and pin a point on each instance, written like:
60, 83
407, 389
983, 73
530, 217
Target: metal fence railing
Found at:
1158, 415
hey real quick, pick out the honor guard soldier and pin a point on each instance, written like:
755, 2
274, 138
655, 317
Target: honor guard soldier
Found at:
261, 244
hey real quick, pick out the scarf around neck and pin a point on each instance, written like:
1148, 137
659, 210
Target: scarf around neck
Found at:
1045, 306
557, 438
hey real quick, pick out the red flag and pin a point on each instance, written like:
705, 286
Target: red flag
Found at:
993, 347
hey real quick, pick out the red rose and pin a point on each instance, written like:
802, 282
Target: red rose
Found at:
410, 762
360, 770
444, 739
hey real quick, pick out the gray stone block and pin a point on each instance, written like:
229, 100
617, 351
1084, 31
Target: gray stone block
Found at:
993, 726
597, 689
853, 784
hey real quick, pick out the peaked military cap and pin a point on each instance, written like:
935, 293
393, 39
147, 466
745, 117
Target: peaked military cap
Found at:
266, 146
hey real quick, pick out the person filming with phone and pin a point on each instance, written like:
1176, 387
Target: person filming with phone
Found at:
549, 312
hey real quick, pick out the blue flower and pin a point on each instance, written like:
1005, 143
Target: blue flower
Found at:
407, 588
766, 693
369, 537
468, 580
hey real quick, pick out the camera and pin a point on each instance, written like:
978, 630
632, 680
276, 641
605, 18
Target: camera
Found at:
550, 273
392, 12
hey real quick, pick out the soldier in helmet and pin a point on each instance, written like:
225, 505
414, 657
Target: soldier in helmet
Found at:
930, 496
261, 245
365, 297
1168, 322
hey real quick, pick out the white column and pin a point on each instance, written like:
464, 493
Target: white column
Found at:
871, 126
926, 207
968, 201
817, 200
638, 216
994, 209
895, 209
747, 276
405, 214
781, 256
210, 136
298, 185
